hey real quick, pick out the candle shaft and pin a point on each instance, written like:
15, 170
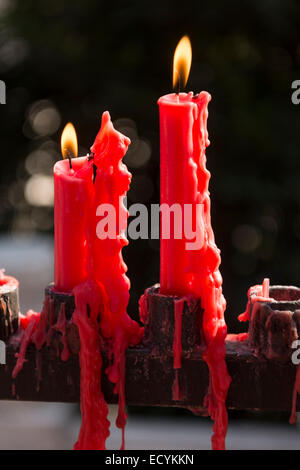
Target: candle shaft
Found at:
70, 222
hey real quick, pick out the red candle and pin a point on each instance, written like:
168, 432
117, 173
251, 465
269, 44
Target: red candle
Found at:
187, 270
90, 264
176, 148
70, 215
179, 133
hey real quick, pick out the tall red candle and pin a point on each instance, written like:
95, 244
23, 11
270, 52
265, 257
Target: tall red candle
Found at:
178, 114
186, 271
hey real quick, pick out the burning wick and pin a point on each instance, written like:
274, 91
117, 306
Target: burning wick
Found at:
69, 145
178, 84
69, 157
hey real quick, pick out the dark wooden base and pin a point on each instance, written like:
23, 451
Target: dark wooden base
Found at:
257, 384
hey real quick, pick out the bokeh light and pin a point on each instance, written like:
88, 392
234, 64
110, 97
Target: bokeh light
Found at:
246, 238
44, 118
39, 190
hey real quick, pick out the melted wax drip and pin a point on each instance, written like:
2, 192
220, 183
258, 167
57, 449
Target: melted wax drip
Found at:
258, 293
61, 326
106, 290
94, 428
239, 337
38, 328
205, 282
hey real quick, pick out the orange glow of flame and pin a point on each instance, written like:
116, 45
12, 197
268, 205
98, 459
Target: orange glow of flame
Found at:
69, 145
182, 62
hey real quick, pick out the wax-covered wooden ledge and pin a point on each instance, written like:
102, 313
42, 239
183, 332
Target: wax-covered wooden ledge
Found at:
257, 383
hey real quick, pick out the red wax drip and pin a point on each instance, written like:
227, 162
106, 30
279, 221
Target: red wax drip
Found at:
205, 281
37, 328
61, 326
258, 293
175, 388
106, 289
94, 425
29, 324
239, 337
143, 309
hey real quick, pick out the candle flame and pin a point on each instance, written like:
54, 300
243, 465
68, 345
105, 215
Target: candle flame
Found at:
182, 62
69, 145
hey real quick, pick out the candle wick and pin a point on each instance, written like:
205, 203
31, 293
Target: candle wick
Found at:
94, 172
178, 85
70, 161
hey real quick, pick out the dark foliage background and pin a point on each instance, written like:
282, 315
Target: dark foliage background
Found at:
67, 60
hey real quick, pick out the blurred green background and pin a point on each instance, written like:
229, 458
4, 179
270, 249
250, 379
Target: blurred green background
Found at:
66, 60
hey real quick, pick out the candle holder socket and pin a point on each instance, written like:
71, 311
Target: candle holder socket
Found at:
165, 315
57, 299
274, 325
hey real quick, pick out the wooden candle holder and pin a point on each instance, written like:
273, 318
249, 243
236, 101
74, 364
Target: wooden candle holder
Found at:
150, 369
67, 299
9, 310
165, 320
161, 325
274, 325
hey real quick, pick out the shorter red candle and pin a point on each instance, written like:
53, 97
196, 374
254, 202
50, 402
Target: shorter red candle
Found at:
70, 215
70, 221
